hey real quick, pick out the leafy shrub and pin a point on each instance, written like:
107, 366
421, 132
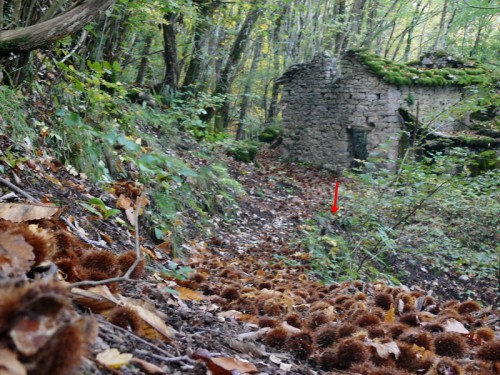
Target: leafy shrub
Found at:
269, 134
485, 161
244, 151
432, 213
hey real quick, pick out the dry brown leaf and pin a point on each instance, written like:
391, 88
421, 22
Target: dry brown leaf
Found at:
384, 350
245, 347
453, 325
155, 327
30, 335
165, 246
188, 294
253, 335
230, 314
15, 254
130, 213
54, 180
149, 368
123, 202
144, 202
97, 299
18, 212
112, 358
9, 364
228, 366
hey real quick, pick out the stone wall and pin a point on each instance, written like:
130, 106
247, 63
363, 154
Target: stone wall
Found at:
331, 119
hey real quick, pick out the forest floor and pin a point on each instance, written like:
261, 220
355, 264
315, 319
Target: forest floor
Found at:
250, 306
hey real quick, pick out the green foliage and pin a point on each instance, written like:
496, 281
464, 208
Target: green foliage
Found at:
474, 140
99, 208
13, 116
270, 133
483, 162
410, 99
177, 272
243, 151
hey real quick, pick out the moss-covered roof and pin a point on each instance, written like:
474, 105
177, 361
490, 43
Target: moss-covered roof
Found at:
462, 73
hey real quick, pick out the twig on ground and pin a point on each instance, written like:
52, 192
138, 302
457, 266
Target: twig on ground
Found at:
182, 358
138, 258
134, 336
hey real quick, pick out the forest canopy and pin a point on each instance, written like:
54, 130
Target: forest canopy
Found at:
227, 54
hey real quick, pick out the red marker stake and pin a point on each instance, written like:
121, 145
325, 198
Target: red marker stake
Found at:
334, 207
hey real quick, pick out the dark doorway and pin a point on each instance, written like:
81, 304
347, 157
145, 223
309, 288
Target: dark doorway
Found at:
358, 145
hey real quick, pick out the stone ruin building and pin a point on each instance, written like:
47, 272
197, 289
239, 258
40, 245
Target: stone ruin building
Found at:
337, 112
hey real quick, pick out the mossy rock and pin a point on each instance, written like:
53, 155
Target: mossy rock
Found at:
476, 140
269, 134
244, 151
459, 72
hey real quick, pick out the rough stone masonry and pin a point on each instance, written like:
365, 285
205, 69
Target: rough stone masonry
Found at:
337, 113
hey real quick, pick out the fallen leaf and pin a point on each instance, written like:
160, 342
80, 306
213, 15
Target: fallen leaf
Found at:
31, 334
253, 335
228, 366
54, 180
15, 254
245, 347
389, 315
18, 212
130, 213
453, 325
188, 294
155, 327
123, 202
149, 368
112, 358
230, 314
384, 350
275, 360
285, 366
98, 299
9, 364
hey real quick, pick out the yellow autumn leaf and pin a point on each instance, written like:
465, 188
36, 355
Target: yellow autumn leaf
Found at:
389, 316
112, 358
188, 294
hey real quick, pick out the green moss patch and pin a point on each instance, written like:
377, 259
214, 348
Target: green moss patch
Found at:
465, 73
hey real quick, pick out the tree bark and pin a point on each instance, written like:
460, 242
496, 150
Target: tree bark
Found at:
226, 77
143, 66
193, 72
32, 37
245, 102
171, 79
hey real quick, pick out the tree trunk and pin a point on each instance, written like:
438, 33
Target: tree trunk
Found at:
171, 79
143, 66
226, 77
245, 102
193, 72
439, 43
272, 111
411, 28
32, 37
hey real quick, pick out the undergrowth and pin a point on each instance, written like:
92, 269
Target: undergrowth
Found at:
432, 214
96, 131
